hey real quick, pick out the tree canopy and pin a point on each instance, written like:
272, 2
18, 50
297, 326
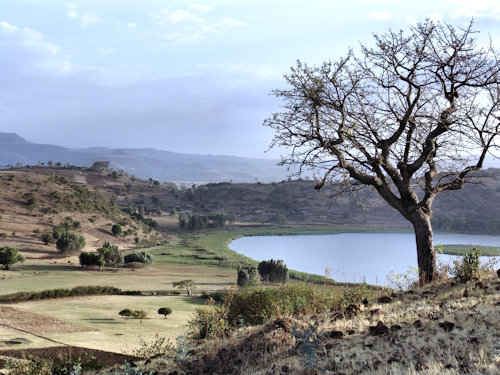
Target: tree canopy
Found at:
412, 117
9, 256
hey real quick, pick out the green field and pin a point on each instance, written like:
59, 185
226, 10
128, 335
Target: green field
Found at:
463, 249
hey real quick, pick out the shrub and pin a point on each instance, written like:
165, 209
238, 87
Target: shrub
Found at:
467, 267
165, 311
138, 257
158, 346
70, 243
116, 229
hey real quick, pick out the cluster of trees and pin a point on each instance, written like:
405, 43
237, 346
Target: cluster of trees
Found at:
108, 255
141, 314
274, 271
134, 314
66, 242
9, 256
196, 222
247, 276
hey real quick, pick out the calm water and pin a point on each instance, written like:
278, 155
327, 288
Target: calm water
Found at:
350, 256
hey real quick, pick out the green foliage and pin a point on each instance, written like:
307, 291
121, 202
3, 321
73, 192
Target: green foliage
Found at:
278, 219
402, 281
29, 365
31, 199
158, 346
62, 364
247, 276
210, 321
467, 267
60, 293
116, 229
165, 311
138, 257
126, 313
185, 284
273, 271
110, 254
70, 243
9, 256
197, 222
139, 314
90, 259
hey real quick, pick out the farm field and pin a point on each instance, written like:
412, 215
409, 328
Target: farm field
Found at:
101, 326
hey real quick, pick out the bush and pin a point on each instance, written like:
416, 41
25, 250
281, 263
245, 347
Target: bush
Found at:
110, 254
467, 267
138, 257
60, 293
116, 229
70, 243
159, 346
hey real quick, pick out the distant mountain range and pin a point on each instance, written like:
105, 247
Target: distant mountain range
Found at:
144, 163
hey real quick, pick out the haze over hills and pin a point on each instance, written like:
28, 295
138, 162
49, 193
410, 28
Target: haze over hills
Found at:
145, 162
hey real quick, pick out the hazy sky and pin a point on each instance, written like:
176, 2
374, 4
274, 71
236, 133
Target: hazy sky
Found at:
182, 76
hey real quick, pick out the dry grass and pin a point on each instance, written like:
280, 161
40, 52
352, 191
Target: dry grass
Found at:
416, 342
35, 323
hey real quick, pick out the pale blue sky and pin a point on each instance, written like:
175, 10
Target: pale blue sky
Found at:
182, 76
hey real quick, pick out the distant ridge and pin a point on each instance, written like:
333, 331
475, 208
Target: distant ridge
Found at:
145, 162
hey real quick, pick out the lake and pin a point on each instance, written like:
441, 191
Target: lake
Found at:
354, 257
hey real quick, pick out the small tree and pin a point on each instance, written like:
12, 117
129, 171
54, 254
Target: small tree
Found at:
187, 284
9, 256
116, 229
139, 314
165, 311
126, 313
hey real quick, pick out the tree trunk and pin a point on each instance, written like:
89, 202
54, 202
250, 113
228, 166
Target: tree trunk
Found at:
426, 256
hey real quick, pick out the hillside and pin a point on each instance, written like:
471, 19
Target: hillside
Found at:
33, 203
143, 163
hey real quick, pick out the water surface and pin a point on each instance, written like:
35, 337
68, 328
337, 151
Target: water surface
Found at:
354, 257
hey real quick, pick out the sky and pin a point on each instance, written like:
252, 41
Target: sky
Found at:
183, 76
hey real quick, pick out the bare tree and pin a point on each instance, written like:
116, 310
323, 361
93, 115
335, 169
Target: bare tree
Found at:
412, 117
